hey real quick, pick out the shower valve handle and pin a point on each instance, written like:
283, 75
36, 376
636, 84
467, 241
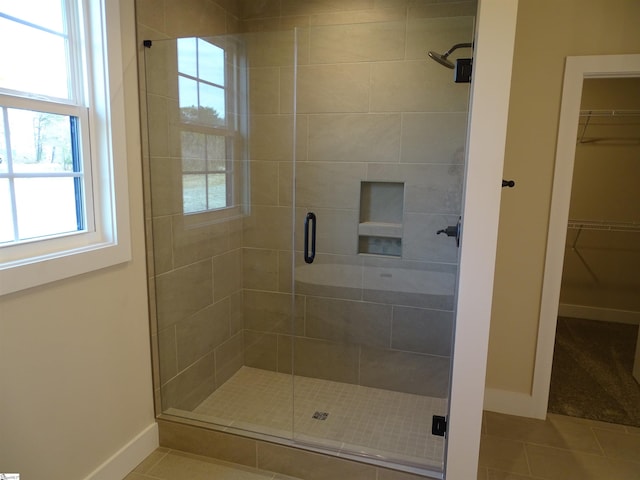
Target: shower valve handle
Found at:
452, 231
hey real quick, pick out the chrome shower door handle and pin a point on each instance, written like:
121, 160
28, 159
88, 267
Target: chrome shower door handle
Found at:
310, 221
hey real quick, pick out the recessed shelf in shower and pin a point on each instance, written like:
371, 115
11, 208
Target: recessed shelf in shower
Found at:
381, 212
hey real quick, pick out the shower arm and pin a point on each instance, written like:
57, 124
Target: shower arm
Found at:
455, 47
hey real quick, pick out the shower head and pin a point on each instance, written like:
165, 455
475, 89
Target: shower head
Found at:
442, 58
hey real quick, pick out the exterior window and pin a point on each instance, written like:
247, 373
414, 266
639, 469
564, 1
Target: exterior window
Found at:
63, 199
206, 87
43, 122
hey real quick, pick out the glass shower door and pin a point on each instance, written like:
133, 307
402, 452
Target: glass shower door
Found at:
219, 157
379, 170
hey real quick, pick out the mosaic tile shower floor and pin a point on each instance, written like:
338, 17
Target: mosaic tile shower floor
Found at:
363, 420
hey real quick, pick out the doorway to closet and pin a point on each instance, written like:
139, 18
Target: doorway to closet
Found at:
590, 292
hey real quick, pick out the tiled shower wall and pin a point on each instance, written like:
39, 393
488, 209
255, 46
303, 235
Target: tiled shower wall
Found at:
194, 271
371, 107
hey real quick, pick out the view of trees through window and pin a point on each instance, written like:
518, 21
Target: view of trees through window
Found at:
35, 149
40, 141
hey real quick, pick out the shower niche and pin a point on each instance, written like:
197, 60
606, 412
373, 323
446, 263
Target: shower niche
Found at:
381, 214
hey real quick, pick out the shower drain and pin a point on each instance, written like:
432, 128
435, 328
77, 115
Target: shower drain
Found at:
320, 415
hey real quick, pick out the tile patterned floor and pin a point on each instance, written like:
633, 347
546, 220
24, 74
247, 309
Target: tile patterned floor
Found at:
165, 464
512, 448
391, 425
558, 448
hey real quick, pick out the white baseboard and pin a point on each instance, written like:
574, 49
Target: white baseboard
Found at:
511, 403
128, 457
596, 313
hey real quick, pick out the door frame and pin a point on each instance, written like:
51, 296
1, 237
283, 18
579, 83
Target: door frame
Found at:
577, 69
486, 138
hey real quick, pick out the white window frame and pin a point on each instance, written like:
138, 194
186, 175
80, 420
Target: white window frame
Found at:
39, 262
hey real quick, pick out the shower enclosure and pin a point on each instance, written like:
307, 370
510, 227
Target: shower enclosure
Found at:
298, 181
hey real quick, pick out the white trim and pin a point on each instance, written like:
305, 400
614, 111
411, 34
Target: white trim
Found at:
511, 403
599, 313
577, 68
493, 57
120, 464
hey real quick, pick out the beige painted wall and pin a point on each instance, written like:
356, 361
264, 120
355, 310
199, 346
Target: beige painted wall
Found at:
75, 369
547, 32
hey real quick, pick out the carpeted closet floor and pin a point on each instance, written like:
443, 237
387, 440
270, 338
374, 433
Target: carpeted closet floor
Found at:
591, 376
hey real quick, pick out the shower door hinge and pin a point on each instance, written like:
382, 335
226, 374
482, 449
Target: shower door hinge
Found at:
439, 426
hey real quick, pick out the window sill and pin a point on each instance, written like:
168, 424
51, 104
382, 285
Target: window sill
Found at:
32, 272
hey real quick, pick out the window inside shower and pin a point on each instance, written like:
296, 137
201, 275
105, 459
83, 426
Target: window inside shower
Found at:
208, 99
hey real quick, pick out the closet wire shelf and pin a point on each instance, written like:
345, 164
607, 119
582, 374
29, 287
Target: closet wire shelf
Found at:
612, 127
602, 225
582, 225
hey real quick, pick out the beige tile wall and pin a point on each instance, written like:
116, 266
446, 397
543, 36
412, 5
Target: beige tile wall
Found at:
370, 107
196, 269
286, 461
